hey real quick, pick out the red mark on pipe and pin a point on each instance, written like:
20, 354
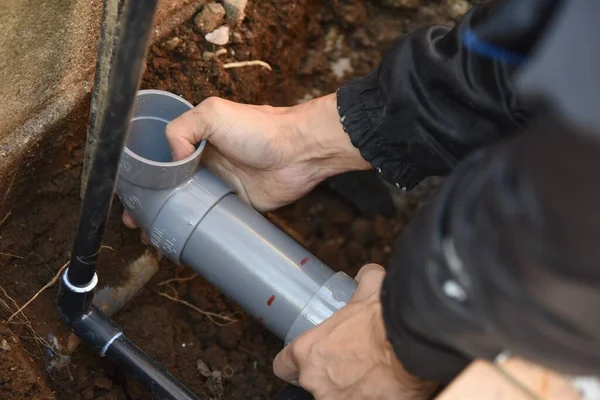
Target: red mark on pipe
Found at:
304, 261
271, 300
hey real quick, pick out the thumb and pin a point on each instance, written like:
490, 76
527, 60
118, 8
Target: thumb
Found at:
190, 128
369, 278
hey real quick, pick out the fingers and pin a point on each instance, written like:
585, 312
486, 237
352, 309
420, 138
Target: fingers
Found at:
144, 238
369, 269
369, 278
184, 132
285, 366
128, 220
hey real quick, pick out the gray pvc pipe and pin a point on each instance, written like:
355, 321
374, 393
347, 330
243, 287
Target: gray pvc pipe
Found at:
194, 218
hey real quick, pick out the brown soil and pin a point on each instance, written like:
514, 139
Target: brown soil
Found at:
301, 40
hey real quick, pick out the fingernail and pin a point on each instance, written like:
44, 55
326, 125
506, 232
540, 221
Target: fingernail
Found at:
127, 221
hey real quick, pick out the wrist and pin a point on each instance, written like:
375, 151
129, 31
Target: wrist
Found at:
417, 387
326, 147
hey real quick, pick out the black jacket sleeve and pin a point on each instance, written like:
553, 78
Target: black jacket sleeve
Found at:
429, 104
505, 259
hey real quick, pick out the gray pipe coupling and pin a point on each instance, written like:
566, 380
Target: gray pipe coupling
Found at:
194, 218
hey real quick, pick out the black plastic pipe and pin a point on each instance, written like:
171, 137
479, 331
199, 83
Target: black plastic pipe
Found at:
79, 281
123, 83
106, 337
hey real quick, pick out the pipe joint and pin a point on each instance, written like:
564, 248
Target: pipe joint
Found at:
194, 218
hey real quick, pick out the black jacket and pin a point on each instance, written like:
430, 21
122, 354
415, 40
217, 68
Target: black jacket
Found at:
507, 258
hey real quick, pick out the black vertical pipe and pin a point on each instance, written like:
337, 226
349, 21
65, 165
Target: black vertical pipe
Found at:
123, 84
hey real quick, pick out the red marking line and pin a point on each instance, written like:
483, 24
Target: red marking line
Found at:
271, 300
304, 261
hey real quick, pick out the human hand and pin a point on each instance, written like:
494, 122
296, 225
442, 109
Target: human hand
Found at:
271, 156
348, 356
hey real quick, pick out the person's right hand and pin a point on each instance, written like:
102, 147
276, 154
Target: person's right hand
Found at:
271, 156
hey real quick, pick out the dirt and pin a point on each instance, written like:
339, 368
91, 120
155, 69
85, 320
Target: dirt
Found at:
312, 47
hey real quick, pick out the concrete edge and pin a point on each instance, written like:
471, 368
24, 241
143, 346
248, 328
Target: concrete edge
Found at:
16, 147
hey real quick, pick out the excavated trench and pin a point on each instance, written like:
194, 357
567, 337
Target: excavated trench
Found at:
312, 48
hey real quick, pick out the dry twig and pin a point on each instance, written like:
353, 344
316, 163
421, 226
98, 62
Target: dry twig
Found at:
5, 218
168, 281
23, 320
210, 315
35, 296
7, 192
241, 64
11, 255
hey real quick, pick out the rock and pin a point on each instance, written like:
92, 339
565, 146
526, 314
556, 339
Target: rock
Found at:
203, 369
236, 10
103, 382
172, 43
210, 18
237, 38
457, 8
219, 36
341, 67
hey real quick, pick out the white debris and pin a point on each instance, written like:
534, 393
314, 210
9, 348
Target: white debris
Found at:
341, 67
456, 8
203, 369
219, 36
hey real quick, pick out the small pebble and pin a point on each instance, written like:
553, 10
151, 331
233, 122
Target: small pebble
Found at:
4, 345
341, 67
210, 18
237, 38
203, 369
172, 43
103, 382
457, 8
219, 36
236, 10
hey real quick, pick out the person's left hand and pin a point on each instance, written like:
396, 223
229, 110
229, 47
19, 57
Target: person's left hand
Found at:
348, 356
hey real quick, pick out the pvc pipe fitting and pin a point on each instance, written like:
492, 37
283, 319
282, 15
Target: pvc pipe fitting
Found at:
194, 218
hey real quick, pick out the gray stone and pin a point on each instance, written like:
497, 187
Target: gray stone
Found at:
210, 18
236, 10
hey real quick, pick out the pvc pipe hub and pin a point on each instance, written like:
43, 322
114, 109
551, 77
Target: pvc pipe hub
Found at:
79, 289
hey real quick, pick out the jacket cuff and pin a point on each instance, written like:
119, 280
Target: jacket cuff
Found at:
419, 357
361, 112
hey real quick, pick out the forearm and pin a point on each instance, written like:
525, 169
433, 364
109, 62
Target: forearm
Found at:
325, 146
